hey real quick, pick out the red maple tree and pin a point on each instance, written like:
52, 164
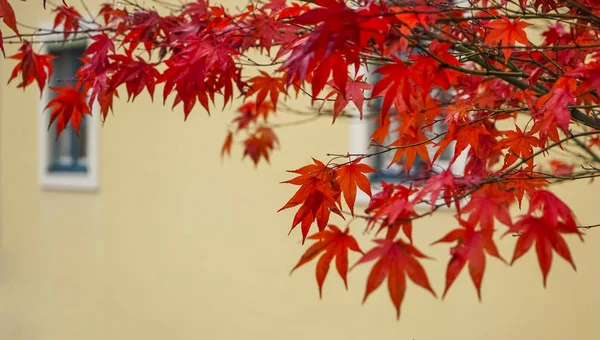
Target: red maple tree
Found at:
462, 79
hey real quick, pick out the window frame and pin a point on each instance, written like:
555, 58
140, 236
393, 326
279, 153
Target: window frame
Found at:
66, 180
360, 140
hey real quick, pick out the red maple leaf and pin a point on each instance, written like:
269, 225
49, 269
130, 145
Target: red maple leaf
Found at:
8, 16
69, 17
430, 71
318, 196
519, 144
226, 148
393, 207
488, 204
471, 247
32, 66
507, 32
551, 111
556, 218
68, 106
352, 175
524, 181
135, 74
260, 143
264, 85
331, 243
354, 92
435, 184
395, 84
560, 168
409, 146
395, 260
329, 48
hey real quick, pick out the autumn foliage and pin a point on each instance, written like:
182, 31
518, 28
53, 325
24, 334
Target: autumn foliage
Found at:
512, 102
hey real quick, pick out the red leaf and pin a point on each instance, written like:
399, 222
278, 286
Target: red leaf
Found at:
488, 204
68, 106
135, 74
519, 144
395, 260
395, 84
560, 168
227, 144
507, 32
260, 144
69, 17
319, 195
352, 175
393, 207
32, 66
264, 85
556, 219
331, 243
8, 16
354, 92
471, 247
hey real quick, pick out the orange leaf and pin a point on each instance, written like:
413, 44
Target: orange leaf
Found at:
227, 144
352, 175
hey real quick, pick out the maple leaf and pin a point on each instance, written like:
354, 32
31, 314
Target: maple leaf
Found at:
331, 243
260, 144
319, 195
393, 207
32, 66
556, 219
330, 47
471, 247
249, 113
68, 106
395, 83
395, 260
560, 168
69, 17
135, 74
472, 136
354, 92
352, 175
519, 144
552, 111
227, 144
8, 16
435, 184
525, 181
430, 71
409, 146
487, 204
264, 85
507, 32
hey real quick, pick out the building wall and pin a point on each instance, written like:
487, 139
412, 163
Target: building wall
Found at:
178, 244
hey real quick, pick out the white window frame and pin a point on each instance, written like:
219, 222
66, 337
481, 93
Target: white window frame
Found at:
66, 181
360, 141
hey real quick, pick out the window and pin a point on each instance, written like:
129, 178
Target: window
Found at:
69, 162
360, 141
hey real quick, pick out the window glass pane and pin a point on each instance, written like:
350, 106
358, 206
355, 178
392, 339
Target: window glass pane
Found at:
68, 153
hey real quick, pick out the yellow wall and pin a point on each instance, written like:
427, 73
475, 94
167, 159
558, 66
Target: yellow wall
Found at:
178, 244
